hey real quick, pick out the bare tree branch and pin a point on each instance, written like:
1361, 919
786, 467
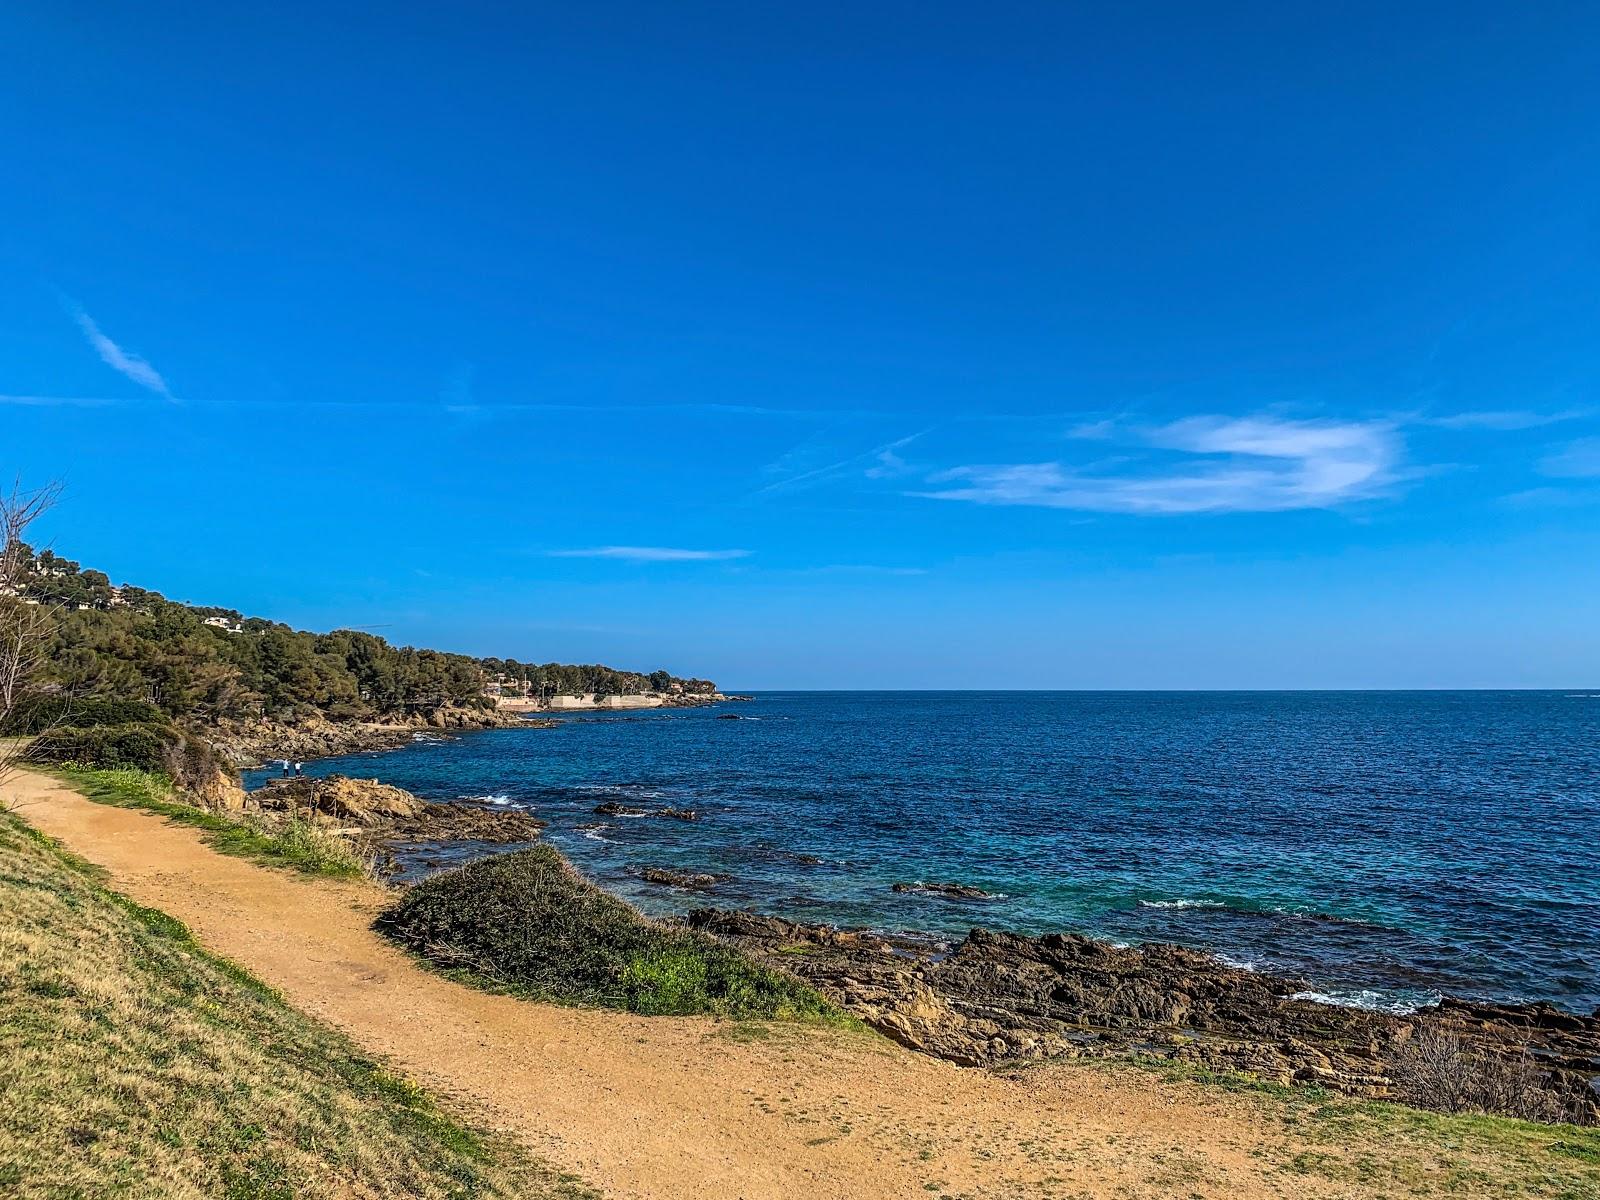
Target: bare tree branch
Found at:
26, 621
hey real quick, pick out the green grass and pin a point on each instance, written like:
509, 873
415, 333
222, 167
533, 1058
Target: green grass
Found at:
528, 924
288, 842
138, 1065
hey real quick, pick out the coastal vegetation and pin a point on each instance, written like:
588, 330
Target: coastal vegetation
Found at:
196, 661
528, 923
150, 1067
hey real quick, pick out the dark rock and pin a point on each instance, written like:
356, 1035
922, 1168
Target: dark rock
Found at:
999, 997
612, 809
689, 880
950, 891
462, 822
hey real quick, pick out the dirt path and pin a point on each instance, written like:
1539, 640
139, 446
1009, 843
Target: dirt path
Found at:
670, 1107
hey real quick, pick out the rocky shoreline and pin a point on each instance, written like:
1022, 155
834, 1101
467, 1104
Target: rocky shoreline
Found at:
381, 818
999, 997
252, 743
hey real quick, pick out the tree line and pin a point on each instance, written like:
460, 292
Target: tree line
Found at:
196, 662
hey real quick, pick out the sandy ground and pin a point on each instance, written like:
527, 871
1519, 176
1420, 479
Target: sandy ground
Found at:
688, 1107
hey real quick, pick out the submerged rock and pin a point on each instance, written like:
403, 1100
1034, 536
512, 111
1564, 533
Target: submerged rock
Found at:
999, 997
689, 880
612, 808
950, 891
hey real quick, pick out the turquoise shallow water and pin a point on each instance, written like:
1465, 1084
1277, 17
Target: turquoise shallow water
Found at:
1387, 846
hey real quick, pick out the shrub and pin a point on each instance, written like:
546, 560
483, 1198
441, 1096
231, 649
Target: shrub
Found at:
46, 712
143, 746
1438, 1071
153, 746
529, 923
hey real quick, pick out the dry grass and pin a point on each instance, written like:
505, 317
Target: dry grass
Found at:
1380, 1150
135, 1064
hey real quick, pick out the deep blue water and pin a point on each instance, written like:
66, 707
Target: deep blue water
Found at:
1387, 846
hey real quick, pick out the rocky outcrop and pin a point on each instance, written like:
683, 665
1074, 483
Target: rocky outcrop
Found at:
218, 790
337, 798
462, 822
997, 997
385, 814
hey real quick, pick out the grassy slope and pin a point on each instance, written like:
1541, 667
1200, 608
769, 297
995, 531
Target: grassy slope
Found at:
287, 843
136, 1064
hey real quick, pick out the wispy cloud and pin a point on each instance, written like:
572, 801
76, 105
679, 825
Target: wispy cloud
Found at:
123, 361
1211, 464
650, 554
58, 401
1575, 460
853, 569
889, 464
1552, 497
1503, 420
884, 459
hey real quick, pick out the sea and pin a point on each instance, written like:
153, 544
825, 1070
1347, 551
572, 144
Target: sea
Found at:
1383, 848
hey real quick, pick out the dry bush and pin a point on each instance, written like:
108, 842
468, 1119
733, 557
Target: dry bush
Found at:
1439, 1071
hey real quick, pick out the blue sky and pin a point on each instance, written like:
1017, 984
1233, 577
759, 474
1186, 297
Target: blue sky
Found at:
828, 345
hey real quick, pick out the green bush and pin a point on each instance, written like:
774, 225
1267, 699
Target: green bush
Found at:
529, 923
46, 712
153, 746
144, 746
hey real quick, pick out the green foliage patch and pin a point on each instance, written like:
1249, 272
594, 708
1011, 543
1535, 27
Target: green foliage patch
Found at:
42, 713
528, 923
141, 747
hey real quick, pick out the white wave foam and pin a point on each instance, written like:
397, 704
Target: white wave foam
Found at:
1182, 904
594, 835
1368, 999
498, 798
631, 790
1238, 964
